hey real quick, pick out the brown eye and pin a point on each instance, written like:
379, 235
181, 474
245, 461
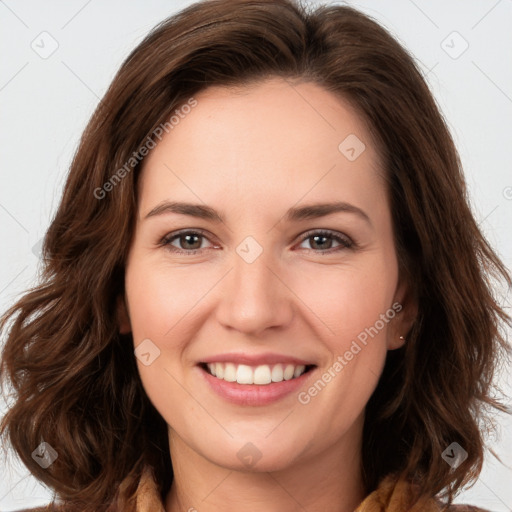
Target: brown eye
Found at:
189, 241
322, 241
185, 242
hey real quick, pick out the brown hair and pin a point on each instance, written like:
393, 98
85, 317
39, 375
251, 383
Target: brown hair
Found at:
74, 379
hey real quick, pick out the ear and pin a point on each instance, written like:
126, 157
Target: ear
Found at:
405, 306
123, 317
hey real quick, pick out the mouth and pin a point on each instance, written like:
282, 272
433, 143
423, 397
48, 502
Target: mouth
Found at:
260, 375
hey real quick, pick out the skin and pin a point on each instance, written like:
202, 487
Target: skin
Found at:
251, 153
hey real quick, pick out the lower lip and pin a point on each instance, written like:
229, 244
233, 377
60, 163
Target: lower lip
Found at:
253, 394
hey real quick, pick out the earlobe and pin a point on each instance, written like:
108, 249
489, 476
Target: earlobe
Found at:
123, 318
401, 325
404, 319
396, 341
401, 342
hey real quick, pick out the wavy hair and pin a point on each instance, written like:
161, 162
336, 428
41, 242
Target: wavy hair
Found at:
72, 377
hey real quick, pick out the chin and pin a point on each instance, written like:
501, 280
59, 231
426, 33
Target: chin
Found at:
254, 456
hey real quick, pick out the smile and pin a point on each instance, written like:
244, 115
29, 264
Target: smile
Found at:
260, 375
255, 385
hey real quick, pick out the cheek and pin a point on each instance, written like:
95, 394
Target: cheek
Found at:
167, 306
348, 301
354, 306
162, 299
162, 303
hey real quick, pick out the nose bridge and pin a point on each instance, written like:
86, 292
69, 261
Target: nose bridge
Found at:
254, 298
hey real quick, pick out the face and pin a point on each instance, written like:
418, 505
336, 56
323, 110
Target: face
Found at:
258, 280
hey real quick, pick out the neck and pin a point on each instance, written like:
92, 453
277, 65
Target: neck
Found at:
329, 481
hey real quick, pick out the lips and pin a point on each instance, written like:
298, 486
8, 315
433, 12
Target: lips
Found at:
247, 379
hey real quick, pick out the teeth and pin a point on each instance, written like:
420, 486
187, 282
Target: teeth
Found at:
260, 375
244, 374
289, 372
299, 370
219, 370
229, 372
277, 373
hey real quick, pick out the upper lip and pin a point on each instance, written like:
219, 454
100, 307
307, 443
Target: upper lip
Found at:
256, 359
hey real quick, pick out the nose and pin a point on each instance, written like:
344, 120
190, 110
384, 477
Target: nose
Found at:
255, 297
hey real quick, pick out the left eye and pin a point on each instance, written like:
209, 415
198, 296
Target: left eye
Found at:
191, 242
324, 240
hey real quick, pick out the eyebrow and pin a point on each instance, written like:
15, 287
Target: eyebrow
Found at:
293, 214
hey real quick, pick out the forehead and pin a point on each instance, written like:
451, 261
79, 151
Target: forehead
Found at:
273, 137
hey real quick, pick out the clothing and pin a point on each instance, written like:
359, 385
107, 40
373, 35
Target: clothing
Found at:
390, 496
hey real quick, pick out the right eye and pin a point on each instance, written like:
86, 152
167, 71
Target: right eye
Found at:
187, 242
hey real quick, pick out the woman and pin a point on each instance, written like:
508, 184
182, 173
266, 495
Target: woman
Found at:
264, 288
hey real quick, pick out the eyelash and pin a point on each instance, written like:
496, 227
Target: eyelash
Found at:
344, 241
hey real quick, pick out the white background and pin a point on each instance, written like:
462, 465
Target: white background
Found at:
45, 104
